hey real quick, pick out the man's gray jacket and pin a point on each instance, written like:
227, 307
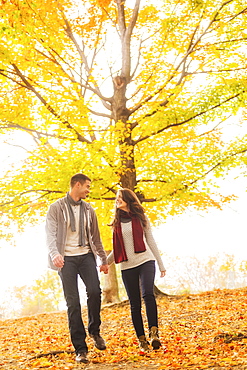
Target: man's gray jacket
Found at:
56, 231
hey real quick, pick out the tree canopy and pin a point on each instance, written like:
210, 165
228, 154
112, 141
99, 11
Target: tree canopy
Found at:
134, 94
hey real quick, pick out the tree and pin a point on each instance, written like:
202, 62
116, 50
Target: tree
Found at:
194, 275
133, 93
43, 296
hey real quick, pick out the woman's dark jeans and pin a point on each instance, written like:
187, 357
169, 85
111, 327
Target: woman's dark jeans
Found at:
85, 267
140, 280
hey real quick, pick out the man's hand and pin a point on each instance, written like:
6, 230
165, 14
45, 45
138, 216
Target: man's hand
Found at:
104, 268
58, 261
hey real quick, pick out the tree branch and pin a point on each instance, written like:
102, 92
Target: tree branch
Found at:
48, 106
133, 19
96, 88
209, 171
30, 201
15, 125
52, 353
191, 48
187, 186
187, 120
100, 114
121, 17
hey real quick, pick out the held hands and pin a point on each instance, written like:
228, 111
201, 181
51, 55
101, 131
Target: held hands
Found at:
162, 273
104, 268
58, 261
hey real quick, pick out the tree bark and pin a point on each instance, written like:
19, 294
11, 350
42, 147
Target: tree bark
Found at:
110, 289
158, 292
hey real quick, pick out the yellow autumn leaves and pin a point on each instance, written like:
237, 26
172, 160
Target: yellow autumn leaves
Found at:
193, 332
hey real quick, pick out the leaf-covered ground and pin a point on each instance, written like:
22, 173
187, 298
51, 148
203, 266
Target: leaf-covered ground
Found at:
205, 331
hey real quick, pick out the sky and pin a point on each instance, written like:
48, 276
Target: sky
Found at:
203, 234
26, 261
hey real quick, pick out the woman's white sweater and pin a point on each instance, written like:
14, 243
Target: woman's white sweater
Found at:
136, 259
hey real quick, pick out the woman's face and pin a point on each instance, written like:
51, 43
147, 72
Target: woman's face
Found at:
120, 203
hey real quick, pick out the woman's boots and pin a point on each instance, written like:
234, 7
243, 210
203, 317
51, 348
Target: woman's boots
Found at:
143, 343
154, 337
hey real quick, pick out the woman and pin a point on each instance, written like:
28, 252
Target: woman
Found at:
136, 251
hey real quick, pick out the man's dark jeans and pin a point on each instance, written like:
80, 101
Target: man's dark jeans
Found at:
85, 267
142, 277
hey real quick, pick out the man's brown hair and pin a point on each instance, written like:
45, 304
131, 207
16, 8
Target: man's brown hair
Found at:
78, 177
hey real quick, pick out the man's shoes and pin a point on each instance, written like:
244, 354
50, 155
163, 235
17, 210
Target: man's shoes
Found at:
98, 341
82, 357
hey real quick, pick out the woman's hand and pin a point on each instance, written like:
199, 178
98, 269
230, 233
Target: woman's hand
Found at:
162, 273
104, 268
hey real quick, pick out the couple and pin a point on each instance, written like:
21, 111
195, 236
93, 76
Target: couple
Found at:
74, 242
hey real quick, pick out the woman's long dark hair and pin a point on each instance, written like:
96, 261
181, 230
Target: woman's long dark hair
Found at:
134, 206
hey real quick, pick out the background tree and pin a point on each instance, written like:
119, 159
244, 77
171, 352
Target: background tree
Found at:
135, 94
193, 275
45, 295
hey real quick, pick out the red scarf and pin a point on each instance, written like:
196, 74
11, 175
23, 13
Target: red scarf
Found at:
118, 243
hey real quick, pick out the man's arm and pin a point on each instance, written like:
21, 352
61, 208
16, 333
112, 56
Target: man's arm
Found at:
51, 237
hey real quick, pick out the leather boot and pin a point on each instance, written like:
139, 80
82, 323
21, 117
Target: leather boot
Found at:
154, 337
143, 343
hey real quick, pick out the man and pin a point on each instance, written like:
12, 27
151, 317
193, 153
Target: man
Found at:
74, 242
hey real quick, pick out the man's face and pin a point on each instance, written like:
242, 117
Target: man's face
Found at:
83, 190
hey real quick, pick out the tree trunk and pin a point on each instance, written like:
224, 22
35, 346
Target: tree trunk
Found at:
121, 115
110, 289
158, 292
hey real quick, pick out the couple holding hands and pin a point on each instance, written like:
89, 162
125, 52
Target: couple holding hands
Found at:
74, 243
